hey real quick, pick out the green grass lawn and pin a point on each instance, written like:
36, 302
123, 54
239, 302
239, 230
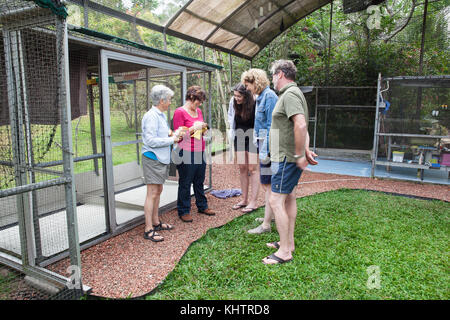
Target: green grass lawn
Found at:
339, 234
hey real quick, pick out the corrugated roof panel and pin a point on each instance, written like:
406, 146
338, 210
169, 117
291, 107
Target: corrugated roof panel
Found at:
270, 28
300, 9
224, 38
214, 10
192, 26
242, 22
247, 48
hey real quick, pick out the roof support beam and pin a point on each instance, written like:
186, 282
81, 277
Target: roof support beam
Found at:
284, 9
117, 14
325, 2
176, 15
265, 19
227, 19
199, 17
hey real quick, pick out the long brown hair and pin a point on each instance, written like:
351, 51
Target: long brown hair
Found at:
247, 108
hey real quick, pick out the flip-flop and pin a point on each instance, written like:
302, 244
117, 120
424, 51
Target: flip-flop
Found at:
238, 206
274, 244
248, 210
276, 258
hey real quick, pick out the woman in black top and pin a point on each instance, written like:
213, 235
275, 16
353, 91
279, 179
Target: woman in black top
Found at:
243, 121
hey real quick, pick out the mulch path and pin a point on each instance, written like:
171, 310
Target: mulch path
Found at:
128, 265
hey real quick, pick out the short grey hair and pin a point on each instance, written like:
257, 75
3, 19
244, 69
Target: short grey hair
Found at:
287, 66
160, 92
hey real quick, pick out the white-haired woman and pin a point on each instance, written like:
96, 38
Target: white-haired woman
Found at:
157, 139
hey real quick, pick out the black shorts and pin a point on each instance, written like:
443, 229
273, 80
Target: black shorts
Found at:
245, 145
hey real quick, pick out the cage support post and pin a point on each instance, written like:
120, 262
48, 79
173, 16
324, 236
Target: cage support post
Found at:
17, 144
92, 124
66, 139
32, 197
422, 48
108, 160
210, 126
376, 128
315, 118
136, 120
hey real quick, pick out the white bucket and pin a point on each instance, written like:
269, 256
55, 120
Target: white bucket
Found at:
397, 156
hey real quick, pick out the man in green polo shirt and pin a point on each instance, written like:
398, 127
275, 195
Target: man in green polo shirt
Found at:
289, 154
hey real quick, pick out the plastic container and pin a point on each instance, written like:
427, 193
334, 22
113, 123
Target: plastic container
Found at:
445, 159
397, 156
435, 162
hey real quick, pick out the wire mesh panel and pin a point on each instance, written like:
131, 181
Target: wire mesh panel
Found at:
344, 117
129, 87
33, 131
412, 127
14, 287
415, 112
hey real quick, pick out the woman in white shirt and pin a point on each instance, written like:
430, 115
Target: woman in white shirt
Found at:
157, 139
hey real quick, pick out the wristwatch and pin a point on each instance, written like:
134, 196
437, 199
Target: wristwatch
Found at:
297, 156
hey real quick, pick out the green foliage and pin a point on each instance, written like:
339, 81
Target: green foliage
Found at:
358, 53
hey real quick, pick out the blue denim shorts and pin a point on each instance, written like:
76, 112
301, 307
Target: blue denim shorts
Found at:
265, 172
285, 176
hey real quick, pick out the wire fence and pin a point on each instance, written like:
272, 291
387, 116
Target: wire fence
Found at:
33, 131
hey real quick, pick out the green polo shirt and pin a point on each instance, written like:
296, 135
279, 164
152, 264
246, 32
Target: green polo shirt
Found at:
281, 139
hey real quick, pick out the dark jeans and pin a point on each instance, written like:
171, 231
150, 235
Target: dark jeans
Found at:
191, 171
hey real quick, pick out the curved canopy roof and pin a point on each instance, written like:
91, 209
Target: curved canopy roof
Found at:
240, 27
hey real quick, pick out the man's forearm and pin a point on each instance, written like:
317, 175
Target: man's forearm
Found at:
307, 140
300, 133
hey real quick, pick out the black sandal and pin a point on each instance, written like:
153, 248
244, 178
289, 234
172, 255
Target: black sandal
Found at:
277, 259
160, 226
152, 236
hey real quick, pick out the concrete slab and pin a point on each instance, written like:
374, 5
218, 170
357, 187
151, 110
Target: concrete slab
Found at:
363, 169
136, 197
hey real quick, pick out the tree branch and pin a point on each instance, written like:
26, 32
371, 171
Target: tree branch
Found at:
405, 24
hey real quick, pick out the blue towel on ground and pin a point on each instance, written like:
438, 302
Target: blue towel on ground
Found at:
223, 194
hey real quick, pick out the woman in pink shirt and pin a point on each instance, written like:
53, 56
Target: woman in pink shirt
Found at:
191, 164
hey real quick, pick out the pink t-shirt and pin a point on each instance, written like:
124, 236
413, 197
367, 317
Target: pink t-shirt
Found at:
182, 118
